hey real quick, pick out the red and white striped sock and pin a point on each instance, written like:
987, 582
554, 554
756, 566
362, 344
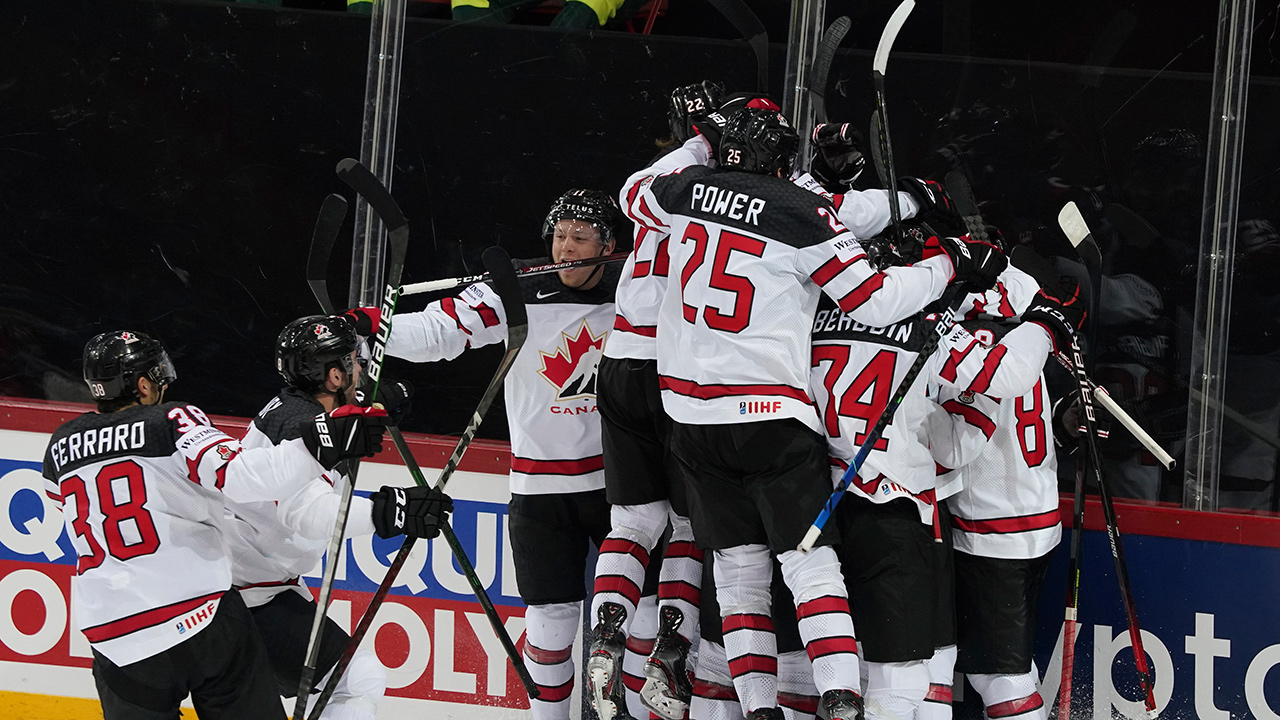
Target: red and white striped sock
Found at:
680, 582
822, 608
548, 650
742, 576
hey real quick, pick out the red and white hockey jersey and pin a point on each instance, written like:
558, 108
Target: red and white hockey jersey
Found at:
1007, 506
142, 492
551, 388
750, 255
856, 368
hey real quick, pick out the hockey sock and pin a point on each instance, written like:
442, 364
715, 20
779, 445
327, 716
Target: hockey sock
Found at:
714, 697
644, 628
937, 703
822, 608
1010, 696
680, 582
895, 691
797, 695
743, 574
548, 650
624, 556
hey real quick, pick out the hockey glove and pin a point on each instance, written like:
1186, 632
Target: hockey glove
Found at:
929, 195
416, 511
690, 103
1059, 310
396, 397
1068, 422
837, 156
350, 431
711, 126
365, 320
977, 264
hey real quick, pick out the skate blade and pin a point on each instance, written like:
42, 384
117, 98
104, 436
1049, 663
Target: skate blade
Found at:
654, 695
599, 678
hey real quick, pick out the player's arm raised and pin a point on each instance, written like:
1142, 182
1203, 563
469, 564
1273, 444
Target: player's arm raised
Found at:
448, 327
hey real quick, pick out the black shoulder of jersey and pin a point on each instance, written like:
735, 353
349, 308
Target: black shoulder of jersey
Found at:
760, 204
830, 324
284, 417
141, 430
547, 289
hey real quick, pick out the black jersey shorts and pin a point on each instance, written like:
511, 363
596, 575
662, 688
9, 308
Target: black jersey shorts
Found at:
996, 602
752, 483
636, 433
285, 626
890, 563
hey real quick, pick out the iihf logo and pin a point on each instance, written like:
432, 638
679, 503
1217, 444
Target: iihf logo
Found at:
759, 406
572, 367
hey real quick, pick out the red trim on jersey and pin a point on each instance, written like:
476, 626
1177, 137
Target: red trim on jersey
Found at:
954, 358
807, 704
971, 415
746, 664
557, 467
146, 619
1015, 707
746, 621
620, 323
932, 248
1020, 523
692, 389
862, 293
54, 497
989, 367
822, 606
837, 200
450, 309
546, 657
488, 315
632, 192
193, 466
656, 224
713, 691
938, 693
831, 646
832, 268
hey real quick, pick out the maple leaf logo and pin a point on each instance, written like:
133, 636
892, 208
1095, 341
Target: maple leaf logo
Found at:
572, 368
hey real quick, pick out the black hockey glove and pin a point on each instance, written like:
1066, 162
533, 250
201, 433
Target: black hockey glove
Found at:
712, 125
416, 511
350, 431
396, 397
977, 264
837, 156
1059, 310
690, 103
930, 196
1068, 421
364, 319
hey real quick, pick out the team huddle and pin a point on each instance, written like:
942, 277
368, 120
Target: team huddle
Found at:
689, 414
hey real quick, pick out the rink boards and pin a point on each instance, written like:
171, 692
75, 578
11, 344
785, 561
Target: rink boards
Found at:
1206, 588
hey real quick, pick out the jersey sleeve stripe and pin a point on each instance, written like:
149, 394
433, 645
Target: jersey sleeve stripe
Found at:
620, 324
832, 268
971, 415
955, 357
653, 222
488, 315
582, 466
450, 309
1022, 523
862, 293
146, 619
193, 465
983, 381
692, 389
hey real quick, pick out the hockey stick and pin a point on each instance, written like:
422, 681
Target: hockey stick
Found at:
748, 24
454, 283
1073, 224
363, 182
328, 224
821, 69
504, 282
882, 150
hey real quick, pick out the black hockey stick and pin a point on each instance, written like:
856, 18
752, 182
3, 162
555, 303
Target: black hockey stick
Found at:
748, 24
504, 283
454, 283
327, 227
1081, 238
882, 149
363, 182
821, 69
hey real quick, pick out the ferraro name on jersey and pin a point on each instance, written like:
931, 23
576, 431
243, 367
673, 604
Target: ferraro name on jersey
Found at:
551, 389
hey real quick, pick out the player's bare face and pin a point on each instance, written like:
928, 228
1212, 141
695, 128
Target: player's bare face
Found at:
576, 240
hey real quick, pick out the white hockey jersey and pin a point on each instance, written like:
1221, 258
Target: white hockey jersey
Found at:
856, 368
273, 544
750, 255
551, 388
141, 492
1007, 506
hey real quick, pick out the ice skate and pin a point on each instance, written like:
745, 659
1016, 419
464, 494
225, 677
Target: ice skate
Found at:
667, 688
604, 664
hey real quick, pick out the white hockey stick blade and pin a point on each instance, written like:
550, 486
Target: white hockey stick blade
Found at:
896, 21
1148, 442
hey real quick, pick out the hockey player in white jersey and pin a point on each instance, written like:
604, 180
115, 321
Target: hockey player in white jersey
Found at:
141, 485
750, 255
274, 543
558, 501
888, 522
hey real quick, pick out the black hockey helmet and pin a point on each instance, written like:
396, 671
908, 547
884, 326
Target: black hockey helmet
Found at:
113, 362
594, 207
309, 346
758, 140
